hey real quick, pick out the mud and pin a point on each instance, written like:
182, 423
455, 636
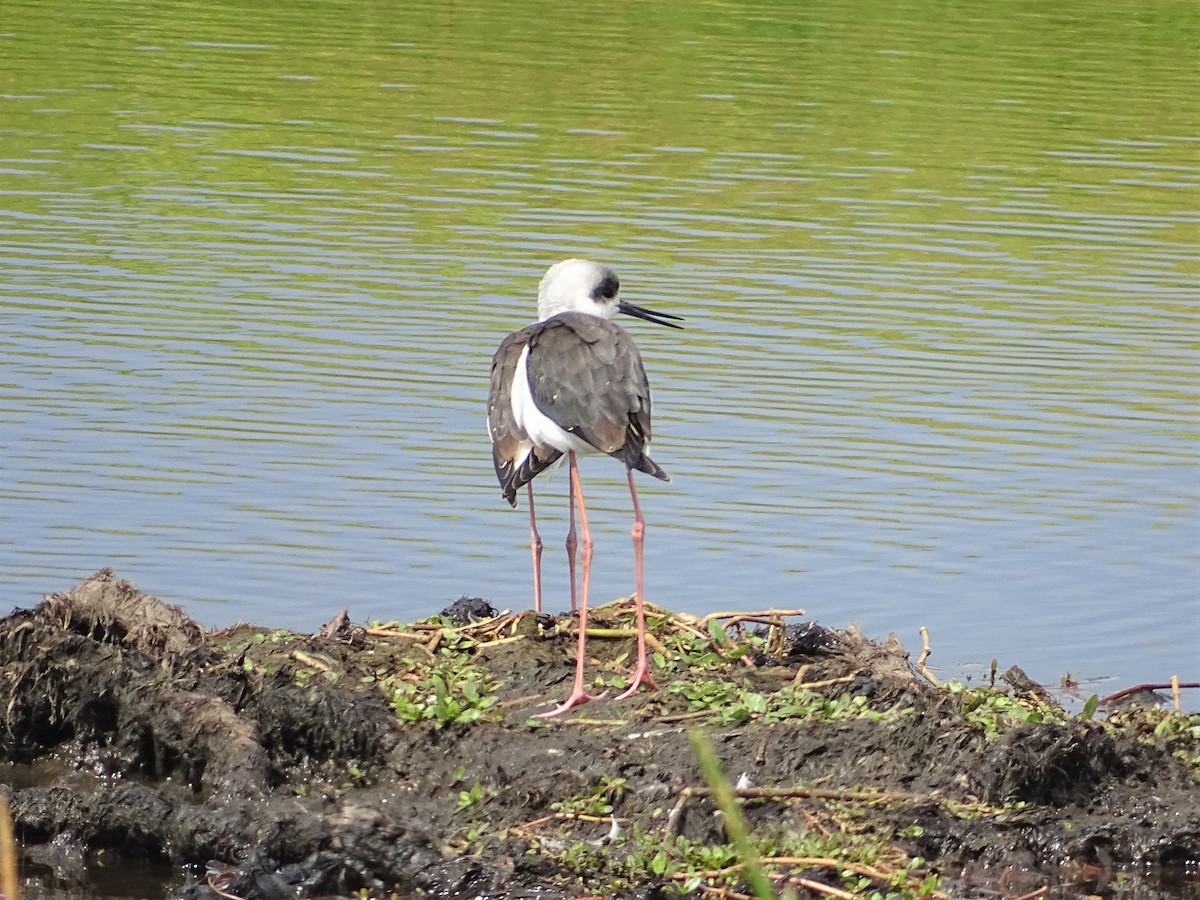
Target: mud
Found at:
255, 763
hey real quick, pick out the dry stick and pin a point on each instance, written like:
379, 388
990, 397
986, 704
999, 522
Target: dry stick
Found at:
521, 701
925, 651
765, 793
820, 887
826, 862
626, 633
723, 893
499, 642
710, 888
742, 614
671, 828
760, 755
487, 625
683, 717
220, 893
577, 817
1149, 687
8, 852
384, 631
754, 619
823, 862
1033, 895
672, 823
307, 659
810, 685
681, 625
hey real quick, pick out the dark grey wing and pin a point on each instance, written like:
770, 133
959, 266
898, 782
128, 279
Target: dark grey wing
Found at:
586, 376
514, 466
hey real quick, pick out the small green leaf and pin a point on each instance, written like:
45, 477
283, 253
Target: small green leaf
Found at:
1089, 708
717, 632
658, 865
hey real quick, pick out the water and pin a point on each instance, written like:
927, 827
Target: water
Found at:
938, 266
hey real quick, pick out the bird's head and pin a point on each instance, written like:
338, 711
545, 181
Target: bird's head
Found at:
579, 285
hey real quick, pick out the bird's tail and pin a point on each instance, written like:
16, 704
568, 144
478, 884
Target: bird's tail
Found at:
645, 464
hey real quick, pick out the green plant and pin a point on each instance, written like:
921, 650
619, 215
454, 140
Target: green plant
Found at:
1178, 732
452, 691
469, 798
597, 802
734, 703
996, 712
1089, 708
716, 650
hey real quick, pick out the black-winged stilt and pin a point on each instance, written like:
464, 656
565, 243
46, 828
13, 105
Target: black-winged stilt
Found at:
573, 383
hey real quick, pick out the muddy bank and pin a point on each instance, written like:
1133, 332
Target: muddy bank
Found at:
379, 762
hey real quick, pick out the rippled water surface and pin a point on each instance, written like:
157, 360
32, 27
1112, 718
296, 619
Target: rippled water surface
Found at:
939, 268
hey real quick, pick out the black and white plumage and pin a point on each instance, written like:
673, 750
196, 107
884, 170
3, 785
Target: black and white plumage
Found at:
582, 373
573, 383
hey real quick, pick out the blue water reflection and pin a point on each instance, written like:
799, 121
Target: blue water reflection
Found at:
939, 368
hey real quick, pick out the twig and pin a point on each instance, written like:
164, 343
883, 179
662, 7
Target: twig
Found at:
760, 754
386, 631
220, 893
826, 862
671, 829
651, 640
810, 685
820, 887
525, 827
743, 615
925, 651
722, 893
821, 862
511, 639
681, 624
307, 659
1033, 895
1138, 688
797, 793
8, 852
683, 717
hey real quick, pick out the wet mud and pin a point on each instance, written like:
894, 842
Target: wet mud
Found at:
403, 760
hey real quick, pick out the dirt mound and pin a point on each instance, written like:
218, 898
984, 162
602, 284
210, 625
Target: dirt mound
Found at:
380, 762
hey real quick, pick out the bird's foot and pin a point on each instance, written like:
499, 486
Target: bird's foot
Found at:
578, 697
641, 675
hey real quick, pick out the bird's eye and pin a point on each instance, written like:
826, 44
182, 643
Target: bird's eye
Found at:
607, 289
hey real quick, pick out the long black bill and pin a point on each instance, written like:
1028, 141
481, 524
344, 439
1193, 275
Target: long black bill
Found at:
658, 318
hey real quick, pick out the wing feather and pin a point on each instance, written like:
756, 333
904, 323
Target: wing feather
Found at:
586, 375
514, 456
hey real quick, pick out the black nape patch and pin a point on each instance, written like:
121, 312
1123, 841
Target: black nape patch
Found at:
608, 287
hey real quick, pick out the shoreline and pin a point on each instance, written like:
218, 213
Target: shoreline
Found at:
387, 760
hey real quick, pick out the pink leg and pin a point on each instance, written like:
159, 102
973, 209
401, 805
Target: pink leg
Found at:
572, 543
578, 694
641, 674
535, 548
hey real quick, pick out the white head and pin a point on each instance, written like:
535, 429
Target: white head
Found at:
578, 285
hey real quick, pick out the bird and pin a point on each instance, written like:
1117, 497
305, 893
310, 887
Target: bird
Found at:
573, 384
